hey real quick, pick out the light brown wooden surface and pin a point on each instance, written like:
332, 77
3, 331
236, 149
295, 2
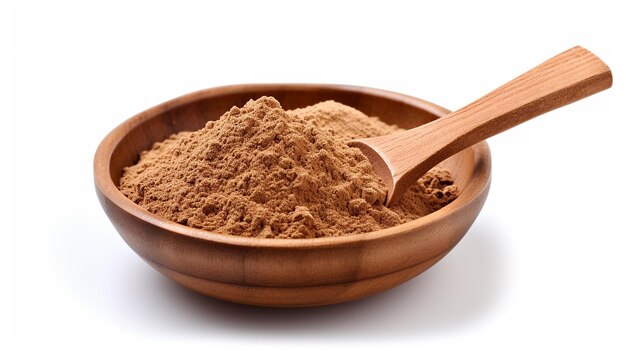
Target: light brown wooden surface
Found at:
400, 159
285, 272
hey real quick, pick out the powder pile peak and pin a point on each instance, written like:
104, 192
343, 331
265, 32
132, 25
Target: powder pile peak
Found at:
262, 171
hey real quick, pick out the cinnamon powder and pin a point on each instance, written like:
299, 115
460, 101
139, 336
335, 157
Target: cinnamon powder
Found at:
261, 171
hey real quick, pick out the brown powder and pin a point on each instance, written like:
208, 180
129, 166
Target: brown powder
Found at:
261, 171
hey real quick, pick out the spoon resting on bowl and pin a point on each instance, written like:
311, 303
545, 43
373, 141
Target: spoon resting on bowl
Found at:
401, 158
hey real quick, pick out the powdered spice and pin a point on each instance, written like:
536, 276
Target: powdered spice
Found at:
261, 171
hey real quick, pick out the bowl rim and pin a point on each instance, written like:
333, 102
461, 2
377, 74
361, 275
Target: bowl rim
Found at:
478, 182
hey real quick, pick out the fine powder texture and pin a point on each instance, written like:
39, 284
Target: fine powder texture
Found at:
261, 171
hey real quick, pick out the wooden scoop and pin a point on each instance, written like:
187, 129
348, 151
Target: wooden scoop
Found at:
401, 158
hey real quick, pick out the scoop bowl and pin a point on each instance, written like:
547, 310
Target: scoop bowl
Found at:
286, 272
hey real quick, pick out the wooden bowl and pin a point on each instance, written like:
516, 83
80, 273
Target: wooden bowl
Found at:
285, 272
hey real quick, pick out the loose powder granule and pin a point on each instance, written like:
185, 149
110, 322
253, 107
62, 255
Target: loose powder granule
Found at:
261, 171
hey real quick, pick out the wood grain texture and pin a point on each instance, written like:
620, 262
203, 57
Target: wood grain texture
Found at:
285, 272
400, 159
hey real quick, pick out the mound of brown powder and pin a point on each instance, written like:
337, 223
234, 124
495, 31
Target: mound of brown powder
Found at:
262, 171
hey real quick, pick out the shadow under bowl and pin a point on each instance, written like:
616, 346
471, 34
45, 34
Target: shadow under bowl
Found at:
286, 272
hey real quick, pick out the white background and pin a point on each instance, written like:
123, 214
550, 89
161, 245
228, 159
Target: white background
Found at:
543, 265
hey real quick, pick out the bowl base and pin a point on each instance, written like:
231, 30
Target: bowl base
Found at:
303, 296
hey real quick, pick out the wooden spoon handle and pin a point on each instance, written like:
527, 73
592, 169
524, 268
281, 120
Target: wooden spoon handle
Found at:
563, 79
403, 157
